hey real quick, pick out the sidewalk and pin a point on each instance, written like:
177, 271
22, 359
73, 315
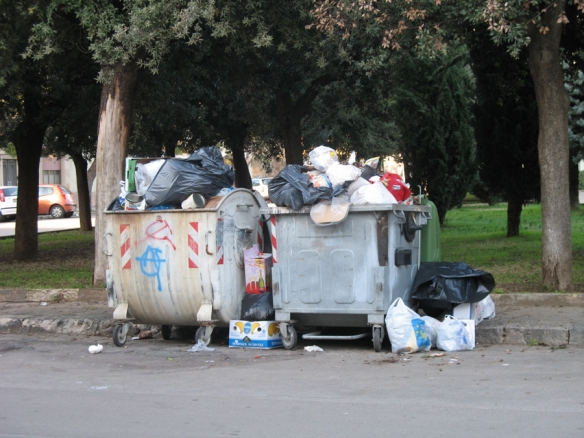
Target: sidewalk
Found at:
522, 319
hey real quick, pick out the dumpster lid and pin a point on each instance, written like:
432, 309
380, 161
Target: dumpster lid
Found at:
354, 208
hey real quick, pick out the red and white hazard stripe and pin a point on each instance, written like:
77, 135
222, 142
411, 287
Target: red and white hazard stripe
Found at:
261, 236
125, 247
193, 245
274, 239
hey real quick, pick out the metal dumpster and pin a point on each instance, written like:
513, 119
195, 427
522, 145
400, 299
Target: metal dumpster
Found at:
180, 267
346, 274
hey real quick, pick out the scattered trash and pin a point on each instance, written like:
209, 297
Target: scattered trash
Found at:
145, 334
312, 348
505, 364
98, 387
94, 349
453, 360
200, 346
171, 358
438, 354
209, 361
135, 338
43, 303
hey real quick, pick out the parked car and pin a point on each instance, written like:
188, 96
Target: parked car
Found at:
261, 185
7, 202
56, 200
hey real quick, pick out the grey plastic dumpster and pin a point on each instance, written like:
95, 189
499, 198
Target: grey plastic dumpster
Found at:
180, 267
346, 274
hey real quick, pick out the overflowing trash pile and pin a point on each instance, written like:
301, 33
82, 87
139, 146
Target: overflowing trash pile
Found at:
454, 291
327, 181
173, 183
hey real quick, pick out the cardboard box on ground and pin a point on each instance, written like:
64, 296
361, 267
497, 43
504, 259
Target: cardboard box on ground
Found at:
254, 334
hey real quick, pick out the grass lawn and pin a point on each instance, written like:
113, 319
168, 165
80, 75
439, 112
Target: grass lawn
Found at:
474, 234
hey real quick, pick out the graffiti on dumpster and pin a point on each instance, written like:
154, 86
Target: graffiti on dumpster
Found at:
150, 263
159, 230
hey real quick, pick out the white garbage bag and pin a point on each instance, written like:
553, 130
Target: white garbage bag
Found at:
375, 193
488, 307
433, 325
323, 157
406, 330
455, 334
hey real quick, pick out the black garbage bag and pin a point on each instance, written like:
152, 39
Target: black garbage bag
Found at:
258, 307
439, 285
292, 188
203, 172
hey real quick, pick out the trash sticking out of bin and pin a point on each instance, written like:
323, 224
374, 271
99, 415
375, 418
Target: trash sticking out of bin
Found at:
203, 172
254, 334
292, 188
439, 285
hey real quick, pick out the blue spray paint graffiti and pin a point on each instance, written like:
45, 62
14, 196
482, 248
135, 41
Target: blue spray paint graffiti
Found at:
150, 263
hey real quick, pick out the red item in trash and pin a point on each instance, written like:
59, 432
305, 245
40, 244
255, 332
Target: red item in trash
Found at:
396, 185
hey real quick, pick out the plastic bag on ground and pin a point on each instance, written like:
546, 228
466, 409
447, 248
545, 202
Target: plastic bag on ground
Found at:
488, 308
433, 325
200, 346
375, 193
258, 307
203, 172
455, 334
322, 157
406, 330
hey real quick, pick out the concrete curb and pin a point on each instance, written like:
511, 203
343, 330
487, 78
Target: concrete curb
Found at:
100, 295
52, 295
541, 330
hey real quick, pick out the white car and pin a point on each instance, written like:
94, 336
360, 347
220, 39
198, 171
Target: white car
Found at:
261, 185
7, 202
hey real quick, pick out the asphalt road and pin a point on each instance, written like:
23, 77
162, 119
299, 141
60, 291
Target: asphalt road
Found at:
45, 224
52, 387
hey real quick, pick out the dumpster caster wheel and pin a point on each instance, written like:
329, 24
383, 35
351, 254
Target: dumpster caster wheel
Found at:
377, 338
119, 335
292, 339
165, 330
200, 334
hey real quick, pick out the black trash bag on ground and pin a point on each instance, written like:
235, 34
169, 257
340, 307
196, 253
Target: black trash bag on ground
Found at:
203, 172
292, 188
439, 285
258, 307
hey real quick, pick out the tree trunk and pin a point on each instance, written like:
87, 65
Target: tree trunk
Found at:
290, 130
236, 143
290, 115
553, 147
574, 192
82, 192
115, 120
28, 140
90, 179
514, 208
